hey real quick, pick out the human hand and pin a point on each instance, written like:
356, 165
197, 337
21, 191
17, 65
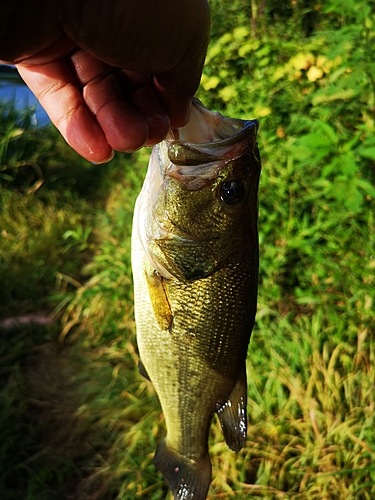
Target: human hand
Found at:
111, 75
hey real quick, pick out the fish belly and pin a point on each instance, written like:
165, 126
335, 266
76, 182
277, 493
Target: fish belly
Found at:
194, 360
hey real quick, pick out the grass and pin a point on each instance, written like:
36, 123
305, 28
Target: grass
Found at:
77, 421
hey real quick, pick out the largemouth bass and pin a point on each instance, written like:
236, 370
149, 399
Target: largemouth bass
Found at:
195, 269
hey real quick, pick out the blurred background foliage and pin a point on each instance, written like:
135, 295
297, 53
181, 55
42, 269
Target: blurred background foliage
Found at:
76, 419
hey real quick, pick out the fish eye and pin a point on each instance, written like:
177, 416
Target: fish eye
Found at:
231, 192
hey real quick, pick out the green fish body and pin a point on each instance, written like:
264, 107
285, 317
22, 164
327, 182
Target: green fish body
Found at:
195, 269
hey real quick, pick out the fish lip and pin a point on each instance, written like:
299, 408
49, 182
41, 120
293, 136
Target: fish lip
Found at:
242, 134
208, 126
196, 164
185, 153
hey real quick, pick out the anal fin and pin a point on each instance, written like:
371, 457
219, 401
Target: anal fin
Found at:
233, 416
188, 479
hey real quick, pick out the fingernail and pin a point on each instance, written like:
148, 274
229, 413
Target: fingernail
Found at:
110, 157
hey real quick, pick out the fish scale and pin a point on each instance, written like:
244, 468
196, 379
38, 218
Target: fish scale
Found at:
195, 269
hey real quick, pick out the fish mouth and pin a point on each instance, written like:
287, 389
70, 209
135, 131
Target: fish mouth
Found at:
195, 154
207, 127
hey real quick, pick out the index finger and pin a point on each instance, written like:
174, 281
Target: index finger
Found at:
54, 85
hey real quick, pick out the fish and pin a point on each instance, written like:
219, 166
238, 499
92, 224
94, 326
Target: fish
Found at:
195, 262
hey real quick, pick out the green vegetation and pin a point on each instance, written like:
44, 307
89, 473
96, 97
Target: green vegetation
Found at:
77, 421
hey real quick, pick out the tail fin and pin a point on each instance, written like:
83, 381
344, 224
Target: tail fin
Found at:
188, 479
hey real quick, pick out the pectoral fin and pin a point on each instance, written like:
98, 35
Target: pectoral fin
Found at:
159, 300
188, 479
232, 415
